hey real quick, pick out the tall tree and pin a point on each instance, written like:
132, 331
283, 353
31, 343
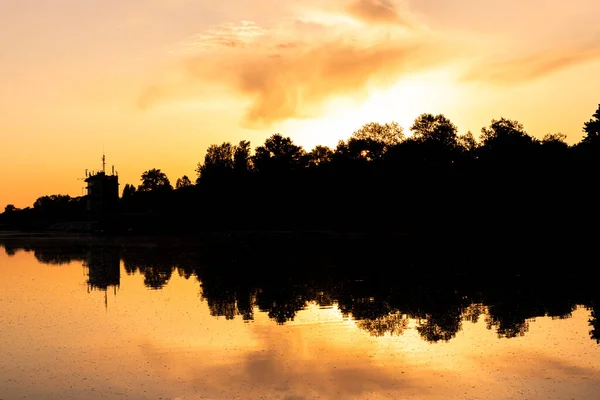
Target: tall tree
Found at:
218, 161
363, 149
506, 142
435, 128
467, 142
154, 179
183, 182
53, 201
592, 128
128, 191
242, 162
505, 134
278, 154
389, 134
319, 155
10, 208
555, 146
558, 139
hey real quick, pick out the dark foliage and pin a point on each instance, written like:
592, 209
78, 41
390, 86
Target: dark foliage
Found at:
436, 184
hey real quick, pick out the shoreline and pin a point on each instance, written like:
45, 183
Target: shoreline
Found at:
165, 240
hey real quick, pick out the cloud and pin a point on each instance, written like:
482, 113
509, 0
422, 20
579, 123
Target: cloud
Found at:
375, 11
291, 71
227, 35
294, 84
531, 67
287, 45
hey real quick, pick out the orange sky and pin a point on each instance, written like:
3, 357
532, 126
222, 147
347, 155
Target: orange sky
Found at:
155, 82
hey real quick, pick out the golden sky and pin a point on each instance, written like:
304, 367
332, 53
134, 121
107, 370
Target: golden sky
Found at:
153, 83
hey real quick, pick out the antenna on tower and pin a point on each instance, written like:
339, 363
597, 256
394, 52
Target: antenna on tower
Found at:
103, 163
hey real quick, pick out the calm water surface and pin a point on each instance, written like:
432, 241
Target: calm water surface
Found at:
94, 322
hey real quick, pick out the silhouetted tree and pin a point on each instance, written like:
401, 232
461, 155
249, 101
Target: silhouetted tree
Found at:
389, 134
242, 162
437, 181
10, 208
278, 155
362, 149
128, 191
183, 182
218, 162
435, 128
52, 202
127, 198
554, 153
592, 128
505, 136
319, 155
370, 142
555, 139
154, 179
48, 210
467, 142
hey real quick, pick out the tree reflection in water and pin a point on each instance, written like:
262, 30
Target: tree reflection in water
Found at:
282, 277
595, 322
393, 324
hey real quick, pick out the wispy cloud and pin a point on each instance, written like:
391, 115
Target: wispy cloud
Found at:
530, 67
376, 11
227, 35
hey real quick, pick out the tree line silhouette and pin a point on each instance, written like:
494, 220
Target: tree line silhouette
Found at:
434, 183
372, 281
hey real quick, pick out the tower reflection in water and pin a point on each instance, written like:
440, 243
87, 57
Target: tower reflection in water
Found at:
104, 270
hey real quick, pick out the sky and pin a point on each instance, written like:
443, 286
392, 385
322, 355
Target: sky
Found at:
153, 83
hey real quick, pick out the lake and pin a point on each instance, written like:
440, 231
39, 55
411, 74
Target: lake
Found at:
265, 318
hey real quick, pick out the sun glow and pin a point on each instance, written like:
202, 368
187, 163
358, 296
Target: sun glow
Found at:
428, 92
